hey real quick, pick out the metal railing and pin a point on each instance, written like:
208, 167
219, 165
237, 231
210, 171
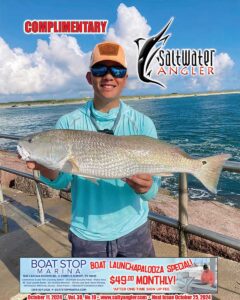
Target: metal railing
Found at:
184, 228
181, 224
34, 177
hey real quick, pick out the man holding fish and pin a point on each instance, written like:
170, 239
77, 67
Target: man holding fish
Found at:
109, 217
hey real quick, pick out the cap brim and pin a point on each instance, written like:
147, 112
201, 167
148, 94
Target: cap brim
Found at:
106, 58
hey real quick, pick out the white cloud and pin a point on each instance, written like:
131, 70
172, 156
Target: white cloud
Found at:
135, 84
53, 67
223, 65
129, 26
58, 66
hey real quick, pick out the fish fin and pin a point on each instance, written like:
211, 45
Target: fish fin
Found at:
165, 174
70, 166
92, 179
210, 170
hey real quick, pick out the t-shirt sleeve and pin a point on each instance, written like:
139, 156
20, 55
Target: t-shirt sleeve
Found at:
62, 123
61, 182
148, 128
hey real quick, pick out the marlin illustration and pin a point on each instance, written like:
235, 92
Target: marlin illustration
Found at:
145, 58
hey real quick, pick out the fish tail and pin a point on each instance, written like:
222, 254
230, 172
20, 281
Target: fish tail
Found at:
210, 170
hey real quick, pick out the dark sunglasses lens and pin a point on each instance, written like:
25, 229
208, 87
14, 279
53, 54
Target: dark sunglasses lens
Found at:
118, 72
99, 71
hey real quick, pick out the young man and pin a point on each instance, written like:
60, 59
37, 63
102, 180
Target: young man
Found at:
207, 276
108, 219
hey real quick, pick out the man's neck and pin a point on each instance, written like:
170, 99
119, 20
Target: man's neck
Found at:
105, 106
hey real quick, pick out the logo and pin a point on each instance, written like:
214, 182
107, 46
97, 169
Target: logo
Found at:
171, 62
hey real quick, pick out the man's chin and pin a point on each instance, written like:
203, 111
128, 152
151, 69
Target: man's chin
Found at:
110, 97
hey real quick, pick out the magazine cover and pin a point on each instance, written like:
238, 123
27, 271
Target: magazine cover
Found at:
119, 150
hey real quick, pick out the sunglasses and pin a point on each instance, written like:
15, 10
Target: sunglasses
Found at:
101, 70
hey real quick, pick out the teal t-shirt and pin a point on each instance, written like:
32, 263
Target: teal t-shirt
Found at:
110, 209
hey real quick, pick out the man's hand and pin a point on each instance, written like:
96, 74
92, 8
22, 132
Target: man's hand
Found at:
141, 183
32, 165
48, 173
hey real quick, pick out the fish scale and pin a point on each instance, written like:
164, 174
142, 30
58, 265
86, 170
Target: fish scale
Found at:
99, 155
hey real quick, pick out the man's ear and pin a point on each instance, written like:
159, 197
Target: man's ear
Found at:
89, 77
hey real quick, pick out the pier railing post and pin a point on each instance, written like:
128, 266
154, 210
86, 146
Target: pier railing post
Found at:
4, 215
1, 194
183, 214
39, 199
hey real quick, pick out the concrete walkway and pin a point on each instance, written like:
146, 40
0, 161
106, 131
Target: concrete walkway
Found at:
50, 240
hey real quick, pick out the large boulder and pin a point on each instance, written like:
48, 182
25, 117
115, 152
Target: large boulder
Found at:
29, 186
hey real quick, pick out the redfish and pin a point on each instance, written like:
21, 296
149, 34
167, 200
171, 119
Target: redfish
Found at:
97, 155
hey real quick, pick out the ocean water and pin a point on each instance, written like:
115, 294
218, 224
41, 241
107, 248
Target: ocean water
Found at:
202, 126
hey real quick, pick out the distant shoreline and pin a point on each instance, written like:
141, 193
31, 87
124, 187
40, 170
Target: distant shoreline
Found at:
126, 98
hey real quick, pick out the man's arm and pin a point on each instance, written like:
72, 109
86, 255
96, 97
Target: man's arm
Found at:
55, 179
141, 183
48, 173
145, 185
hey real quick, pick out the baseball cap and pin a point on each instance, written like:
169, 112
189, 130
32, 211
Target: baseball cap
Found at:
108, 51
205, 266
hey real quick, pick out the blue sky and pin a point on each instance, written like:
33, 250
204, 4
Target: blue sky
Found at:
40, 66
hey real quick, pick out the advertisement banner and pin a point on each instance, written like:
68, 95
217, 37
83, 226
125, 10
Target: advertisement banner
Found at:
116, 275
